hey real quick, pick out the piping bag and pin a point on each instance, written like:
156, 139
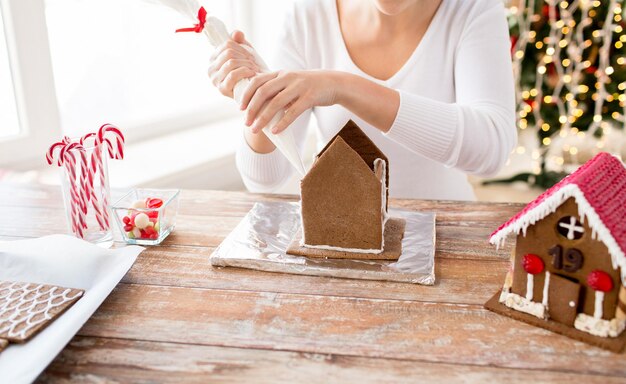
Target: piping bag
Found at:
215, 30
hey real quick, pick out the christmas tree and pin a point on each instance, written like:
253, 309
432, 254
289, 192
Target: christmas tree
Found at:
570, 69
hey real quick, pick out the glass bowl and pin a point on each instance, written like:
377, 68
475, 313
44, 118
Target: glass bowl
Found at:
146, 216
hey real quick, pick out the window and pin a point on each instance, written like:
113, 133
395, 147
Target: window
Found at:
67, 66
27, 80
570, 228
9, 124
128, 67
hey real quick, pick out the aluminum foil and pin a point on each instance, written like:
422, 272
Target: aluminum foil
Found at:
260, 241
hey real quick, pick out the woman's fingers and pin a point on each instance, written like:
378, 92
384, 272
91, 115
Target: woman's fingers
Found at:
226, 59
230, 73
240, 38
227, 86
230, 54
255, 83
272, 107
232, 47
231, 65
292, 112
263, 95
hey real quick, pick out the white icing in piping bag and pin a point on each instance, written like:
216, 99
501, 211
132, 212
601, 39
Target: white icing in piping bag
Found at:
216, 32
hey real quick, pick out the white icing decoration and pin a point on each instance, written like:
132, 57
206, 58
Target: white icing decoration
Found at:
341, 249
15, 309
572, 304
546, 289
597, 307
384, 216
572, 228
599, 327
383, 192
522, 304
585, 210
530, 286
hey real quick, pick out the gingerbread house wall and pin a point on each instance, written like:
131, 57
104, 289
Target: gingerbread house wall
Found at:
543, 236
341, 201
358, 140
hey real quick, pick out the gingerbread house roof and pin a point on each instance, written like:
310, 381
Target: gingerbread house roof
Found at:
361, 143
599, 189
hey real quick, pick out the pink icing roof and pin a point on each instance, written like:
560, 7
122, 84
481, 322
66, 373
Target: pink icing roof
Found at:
599, 187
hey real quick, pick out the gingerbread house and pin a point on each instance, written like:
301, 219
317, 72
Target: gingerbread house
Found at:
344, 202
568, 268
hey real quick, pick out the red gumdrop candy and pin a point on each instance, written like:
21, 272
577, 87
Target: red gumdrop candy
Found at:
128, 228
126, 220
153, 214
149, 230
154, 236
532, 264
600, 281
143, 234
153, 203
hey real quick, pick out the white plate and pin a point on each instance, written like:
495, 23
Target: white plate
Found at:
65, 261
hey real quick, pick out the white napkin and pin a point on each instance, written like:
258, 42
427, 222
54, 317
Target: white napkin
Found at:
69, 262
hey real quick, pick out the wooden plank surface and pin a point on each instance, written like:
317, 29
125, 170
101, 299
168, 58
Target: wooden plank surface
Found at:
396, 329
93, 360
174, 318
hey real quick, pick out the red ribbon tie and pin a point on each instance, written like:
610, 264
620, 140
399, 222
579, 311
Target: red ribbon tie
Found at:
197, 28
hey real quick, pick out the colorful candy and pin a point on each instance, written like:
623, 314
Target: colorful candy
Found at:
143, 225
532, 264
153, 203
142, 220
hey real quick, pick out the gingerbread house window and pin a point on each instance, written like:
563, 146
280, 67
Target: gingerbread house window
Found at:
570, 228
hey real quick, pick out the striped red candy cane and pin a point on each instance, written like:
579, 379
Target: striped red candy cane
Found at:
81, 189
112, 137
78, 222
77, 147
77, 187
86, 185
58, 153
55, 149
92, 168
115, 146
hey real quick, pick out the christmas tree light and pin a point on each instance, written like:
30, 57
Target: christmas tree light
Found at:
569, 65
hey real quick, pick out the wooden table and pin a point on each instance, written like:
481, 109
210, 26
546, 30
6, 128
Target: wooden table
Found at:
174, 318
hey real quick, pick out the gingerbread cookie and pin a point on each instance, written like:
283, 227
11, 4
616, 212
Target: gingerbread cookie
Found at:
3, 344
27, 308
394, 233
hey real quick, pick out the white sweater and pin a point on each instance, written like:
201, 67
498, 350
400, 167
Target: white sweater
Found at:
456, 113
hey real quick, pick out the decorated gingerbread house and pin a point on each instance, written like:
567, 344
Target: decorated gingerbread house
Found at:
344, 202
568, 268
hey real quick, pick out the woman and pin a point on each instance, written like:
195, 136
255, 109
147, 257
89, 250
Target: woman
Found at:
429, 81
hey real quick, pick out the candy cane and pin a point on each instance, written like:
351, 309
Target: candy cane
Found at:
95, 163
77, 219
59, 152
88, 190
116, 147
55, 149
81, 191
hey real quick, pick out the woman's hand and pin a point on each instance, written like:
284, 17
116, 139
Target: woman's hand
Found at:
232, 62
295, 92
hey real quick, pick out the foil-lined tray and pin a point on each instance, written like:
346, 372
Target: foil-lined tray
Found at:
261, 239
